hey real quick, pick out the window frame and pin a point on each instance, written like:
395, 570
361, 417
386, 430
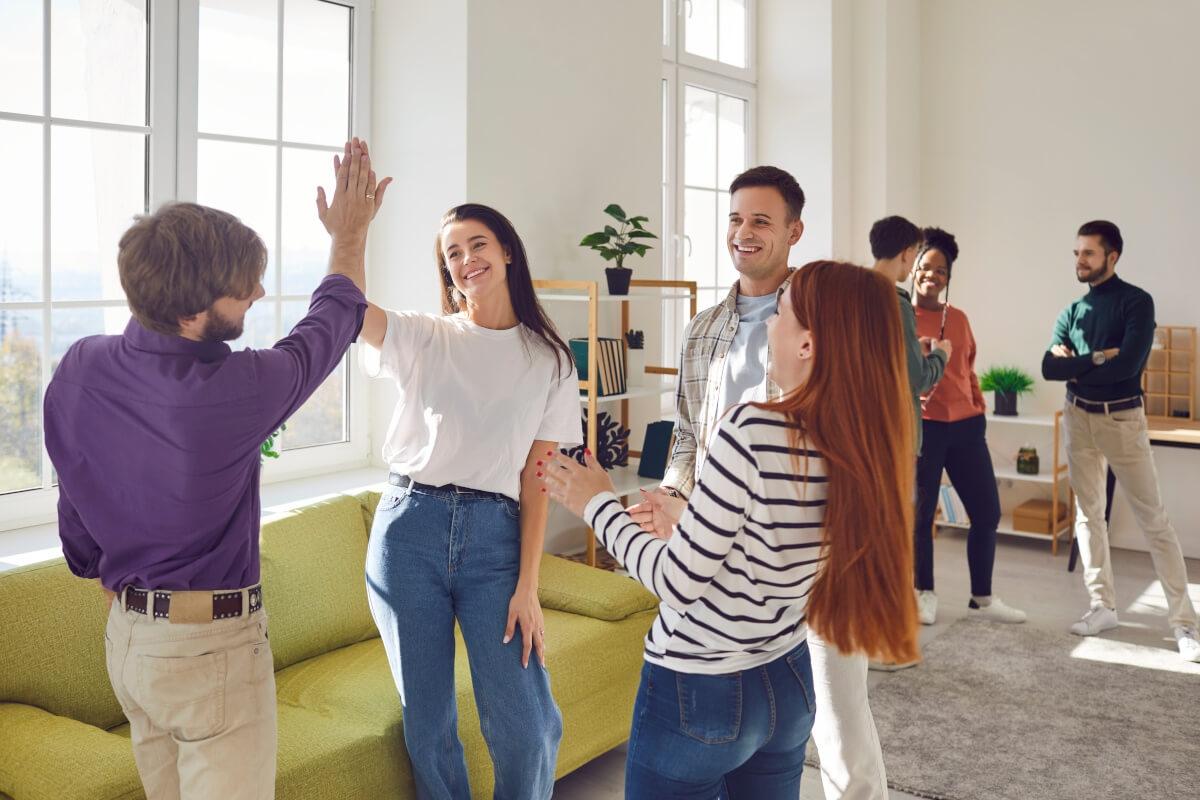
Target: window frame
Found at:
681, 69
171, 129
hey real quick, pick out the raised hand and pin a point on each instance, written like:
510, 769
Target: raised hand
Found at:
658, 513
357, 194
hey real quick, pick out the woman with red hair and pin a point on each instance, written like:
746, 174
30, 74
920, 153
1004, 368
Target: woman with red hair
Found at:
800, 520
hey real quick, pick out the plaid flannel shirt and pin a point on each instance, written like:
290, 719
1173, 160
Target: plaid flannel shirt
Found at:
706, 343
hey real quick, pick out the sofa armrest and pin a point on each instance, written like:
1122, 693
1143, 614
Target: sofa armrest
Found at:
577, 589
48, 757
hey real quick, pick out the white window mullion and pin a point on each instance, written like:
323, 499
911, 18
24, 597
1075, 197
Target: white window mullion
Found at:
47, 188
187, 103
164, 102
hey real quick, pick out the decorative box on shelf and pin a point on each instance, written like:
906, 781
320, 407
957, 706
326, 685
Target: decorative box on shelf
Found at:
1036, 516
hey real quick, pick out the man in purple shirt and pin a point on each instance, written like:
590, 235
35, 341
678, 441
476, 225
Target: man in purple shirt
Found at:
155, 435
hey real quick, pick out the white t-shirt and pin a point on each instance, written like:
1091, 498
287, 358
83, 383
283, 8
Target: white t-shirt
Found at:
472, 400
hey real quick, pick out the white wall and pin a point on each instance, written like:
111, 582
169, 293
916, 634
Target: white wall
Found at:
1035, 117
419, 119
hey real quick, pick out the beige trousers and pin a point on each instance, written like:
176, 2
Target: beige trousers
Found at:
200, 700
1121, 440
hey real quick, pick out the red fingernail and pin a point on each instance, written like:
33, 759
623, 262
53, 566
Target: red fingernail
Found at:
539, 463
543, 490
587, 452
539, 474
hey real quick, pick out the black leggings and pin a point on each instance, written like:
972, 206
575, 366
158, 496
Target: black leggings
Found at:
961, 448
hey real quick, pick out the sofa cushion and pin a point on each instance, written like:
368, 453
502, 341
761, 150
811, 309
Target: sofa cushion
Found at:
52, 630
312, 574
49, 757
568, 586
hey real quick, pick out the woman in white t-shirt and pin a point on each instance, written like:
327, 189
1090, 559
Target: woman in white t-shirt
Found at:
487, 391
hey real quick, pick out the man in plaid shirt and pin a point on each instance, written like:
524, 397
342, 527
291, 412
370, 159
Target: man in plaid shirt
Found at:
724, 362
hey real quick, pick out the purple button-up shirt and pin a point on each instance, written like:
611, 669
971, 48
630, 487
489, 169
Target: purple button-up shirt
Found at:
156, 442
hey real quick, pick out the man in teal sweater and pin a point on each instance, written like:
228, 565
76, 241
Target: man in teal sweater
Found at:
1100, 346
894, 244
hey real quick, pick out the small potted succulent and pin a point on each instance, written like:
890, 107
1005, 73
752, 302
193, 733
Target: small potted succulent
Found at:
1007, 383
636, 355
615, 244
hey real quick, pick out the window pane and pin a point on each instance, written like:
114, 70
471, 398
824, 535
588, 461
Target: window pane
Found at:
239, 42
700, 137
21, 210
733, 32
20, 400
322, 420
316, 72
701, 31
240, 178
304, 250
731, 140
98, 60
98, 184
21, 54
699, 255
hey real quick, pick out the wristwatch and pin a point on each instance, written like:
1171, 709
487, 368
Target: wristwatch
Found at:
1098, 357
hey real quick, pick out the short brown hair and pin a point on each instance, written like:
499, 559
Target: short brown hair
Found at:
179, 260
778, 179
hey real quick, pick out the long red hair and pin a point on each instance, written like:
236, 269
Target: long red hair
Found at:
856, 409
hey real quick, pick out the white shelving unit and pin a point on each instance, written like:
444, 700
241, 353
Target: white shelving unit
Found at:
625, 479
1056, 479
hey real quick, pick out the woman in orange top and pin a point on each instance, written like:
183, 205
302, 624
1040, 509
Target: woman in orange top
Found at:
955, 421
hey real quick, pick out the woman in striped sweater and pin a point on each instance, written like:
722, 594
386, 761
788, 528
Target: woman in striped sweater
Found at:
800, 519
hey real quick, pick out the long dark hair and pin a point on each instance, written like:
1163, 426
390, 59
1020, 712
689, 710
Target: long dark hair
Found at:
520, 284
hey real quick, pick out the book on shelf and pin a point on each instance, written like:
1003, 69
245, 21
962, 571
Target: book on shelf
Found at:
610, 364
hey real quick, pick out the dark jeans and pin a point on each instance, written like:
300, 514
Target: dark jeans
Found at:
961, 449
738, 735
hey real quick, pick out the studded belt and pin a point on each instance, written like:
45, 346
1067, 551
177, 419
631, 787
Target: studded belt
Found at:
191, 606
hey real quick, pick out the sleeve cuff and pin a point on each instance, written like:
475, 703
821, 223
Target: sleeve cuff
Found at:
593, 506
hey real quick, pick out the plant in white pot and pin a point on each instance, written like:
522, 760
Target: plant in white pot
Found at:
615, 244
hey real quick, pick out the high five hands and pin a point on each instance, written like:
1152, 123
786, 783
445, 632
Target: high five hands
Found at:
357, 194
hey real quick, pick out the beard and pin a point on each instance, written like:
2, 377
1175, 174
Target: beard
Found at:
221, 329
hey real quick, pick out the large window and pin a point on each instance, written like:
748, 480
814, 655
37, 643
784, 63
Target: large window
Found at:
708, 111
109, 108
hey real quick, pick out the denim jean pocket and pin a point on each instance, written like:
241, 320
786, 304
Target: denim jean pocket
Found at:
511, 507
801, 665
184, 694
392, 498
710, 706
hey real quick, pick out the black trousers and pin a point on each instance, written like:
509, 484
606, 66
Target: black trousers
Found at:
961, 449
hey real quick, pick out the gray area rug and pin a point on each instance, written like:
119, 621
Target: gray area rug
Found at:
1005, 712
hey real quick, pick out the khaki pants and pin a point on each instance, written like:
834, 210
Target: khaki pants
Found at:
1121, 440
200, 700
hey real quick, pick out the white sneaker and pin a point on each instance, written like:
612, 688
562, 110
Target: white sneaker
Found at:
1098, 620
926, 607
995, 611
1189, 643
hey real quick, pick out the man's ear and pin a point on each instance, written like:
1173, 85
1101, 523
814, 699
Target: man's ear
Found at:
796, 232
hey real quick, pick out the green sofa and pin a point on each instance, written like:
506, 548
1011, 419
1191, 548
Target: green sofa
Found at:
63, 736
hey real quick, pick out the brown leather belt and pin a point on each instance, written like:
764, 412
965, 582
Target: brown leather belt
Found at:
191, 606
1104, 406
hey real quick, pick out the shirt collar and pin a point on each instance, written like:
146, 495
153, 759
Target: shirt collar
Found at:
730, 301
142, 338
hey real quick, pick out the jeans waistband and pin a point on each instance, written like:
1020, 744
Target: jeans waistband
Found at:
446, 489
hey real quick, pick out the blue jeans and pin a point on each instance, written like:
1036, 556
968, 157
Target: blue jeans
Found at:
436, 556
740, 735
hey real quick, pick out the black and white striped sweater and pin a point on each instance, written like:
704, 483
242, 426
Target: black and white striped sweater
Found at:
734, 577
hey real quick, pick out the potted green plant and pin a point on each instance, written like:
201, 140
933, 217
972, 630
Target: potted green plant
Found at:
615, 244
1007, 383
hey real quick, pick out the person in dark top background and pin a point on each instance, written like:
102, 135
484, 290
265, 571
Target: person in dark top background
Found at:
1100, 346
